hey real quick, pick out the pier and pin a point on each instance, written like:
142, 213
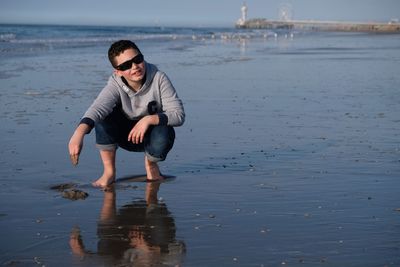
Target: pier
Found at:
286, 23
309, 25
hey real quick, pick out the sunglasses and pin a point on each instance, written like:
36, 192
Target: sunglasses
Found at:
128, 64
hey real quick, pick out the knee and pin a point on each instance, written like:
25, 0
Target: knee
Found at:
113, 128
160, 142
162, 134
103, 134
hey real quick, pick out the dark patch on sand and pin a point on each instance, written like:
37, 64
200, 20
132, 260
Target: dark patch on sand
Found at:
74, 194
69, 191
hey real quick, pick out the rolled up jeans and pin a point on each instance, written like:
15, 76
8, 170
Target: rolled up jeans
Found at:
113, 131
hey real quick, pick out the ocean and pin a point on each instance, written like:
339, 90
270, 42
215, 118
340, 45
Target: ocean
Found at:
289, 155
18, 39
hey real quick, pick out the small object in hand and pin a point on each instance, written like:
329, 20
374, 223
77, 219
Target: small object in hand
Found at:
74, 159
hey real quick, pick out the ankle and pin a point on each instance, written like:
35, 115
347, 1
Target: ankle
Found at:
108, 172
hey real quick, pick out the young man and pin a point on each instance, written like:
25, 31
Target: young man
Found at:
136, 110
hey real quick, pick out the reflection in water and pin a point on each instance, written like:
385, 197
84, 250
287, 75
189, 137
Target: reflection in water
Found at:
141, 233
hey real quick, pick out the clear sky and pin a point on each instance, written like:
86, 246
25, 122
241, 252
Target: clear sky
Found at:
186, 12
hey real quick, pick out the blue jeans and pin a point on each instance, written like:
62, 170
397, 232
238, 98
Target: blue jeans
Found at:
113, 132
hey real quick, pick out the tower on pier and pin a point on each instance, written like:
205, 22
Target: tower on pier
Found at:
243, 19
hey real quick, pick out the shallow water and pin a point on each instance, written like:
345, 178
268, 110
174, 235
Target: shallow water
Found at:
289, 156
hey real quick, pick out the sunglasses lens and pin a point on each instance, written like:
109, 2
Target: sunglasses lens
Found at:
125, 66
128, 64
138, 59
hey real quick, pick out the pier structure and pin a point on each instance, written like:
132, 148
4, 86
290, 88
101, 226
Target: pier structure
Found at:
312, 25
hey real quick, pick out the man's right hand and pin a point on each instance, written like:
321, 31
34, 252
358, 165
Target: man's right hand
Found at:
76, 143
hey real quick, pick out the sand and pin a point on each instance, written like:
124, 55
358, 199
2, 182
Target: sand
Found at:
289, 156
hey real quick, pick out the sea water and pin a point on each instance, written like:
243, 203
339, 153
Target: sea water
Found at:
289, 154
29, 39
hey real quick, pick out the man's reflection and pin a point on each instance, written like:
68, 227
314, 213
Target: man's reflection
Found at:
141, 233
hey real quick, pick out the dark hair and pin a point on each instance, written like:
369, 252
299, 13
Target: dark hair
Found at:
119, 47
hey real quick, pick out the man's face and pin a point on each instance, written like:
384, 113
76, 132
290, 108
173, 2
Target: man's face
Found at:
136, 72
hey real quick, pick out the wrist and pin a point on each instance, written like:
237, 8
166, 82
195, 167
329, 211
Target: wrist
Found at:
82, 129
152, 119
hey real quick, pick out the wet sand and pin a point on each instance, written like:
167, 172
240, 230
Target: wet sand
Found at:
289, 156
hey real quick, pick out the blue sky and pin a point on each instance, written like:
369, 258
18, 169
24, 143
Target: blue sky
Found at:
189, 13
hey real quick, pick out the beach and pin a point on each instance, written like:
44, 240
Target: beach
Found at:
289, 155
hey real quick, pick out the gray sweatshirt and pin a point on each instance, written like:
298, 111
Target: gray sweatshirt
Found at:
157, 90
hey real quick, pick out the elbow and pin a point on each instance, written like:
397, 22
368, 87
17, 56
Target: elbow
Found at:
182, 119
179, 120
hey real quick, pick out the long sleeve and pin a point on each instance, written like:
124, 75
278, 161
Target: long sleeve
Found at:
172, 106
104, 103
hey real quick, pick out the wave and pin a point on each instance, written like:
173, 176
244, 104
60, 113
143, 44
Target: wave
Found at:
11, 38
7, 37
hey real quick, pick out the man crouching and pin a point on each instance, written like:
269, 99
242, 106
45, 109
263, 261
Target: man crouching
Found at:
136, 111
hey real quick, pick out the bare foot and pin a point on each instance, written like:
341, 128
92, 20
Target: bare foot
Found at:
104, 181
152, 170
